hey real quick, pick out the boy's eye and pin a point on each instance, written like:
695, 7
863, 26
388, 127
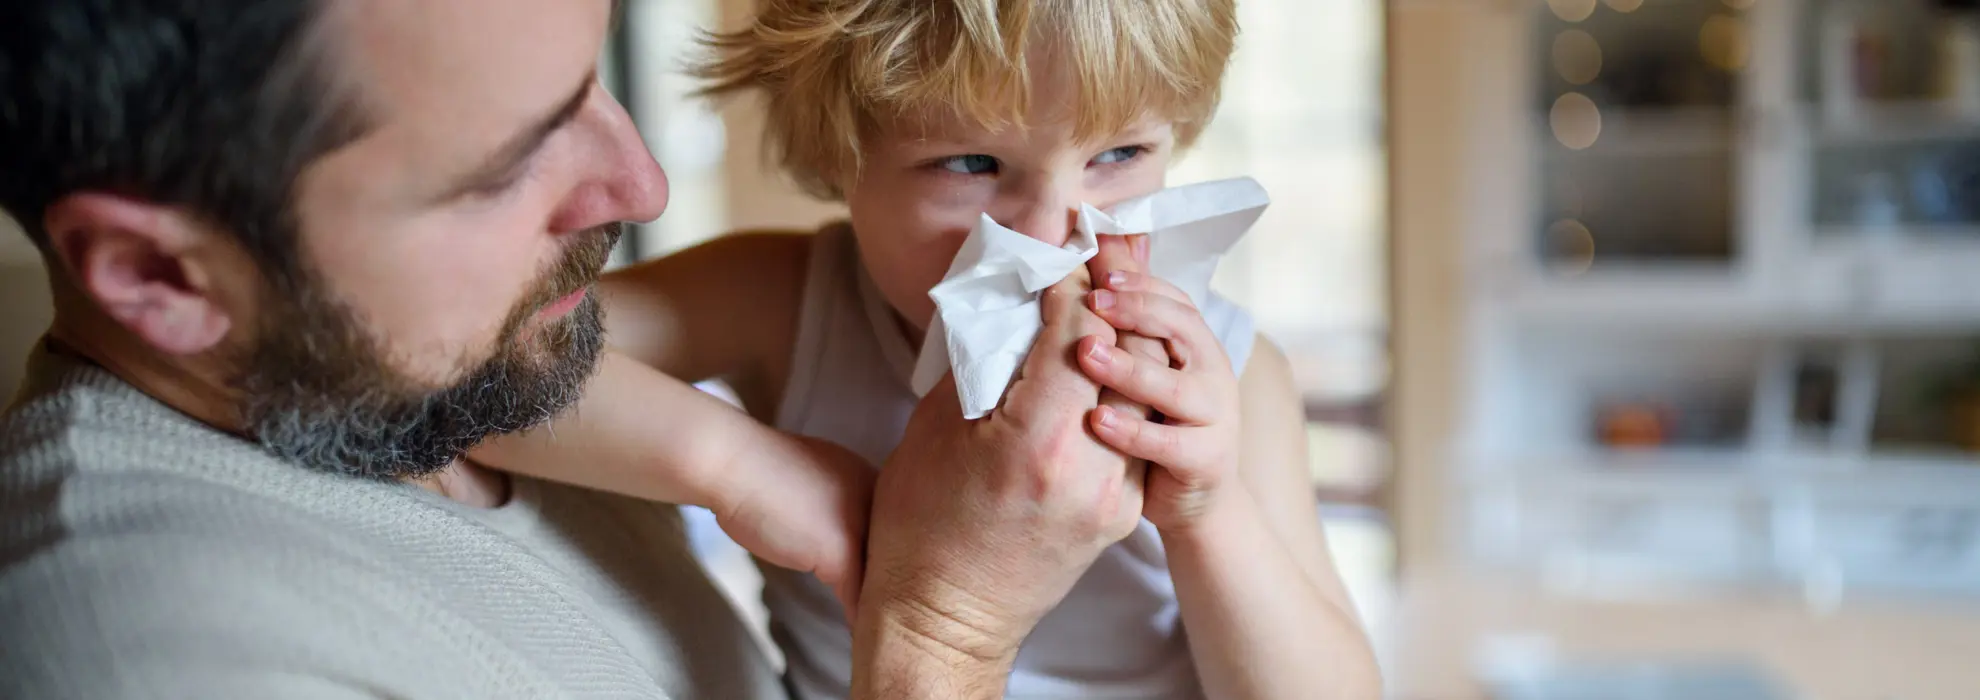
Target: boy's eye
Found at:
973, 164
1119, 155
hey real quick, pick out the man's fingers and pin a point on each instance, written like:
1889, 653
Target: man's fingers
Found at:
1050, 373
1119, 254
942, 402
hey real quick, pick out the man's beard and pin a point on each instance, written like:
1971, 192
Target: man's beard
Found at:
318, 390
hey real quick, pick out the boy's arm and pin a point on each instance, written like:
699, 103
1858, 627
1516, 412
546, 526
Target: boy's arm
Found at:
727, 309
724, 309
796, 502
640, 430
636, 432
1266, 612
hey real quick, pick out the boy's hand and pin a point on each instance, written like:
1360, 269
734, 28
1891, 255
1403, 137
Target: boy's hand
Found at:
1194, 442
800, 503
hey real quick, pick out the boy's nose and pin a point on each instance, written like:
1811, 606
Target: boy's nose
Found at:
1048, 217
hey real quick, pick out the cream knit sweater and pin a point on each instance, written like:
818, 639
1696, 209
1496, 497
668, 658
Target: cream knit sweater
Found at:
145, 555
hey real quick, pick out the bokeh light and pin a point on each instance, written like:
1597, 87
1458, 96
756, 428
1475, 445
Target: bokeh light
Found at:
1722, 41
1577, 57
1572, 10
1572, 245
1576, 121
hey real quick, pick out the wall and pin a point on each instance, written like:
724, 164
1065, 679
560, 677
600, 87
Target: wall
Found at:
24, 305
759, 196
1428, 119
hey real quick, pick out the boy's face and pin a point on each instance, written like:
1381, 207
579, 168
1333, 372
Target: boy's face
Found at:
925, 181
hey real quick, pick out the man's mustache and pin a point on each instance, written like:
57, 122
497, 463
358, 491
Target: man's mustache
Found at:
581, 265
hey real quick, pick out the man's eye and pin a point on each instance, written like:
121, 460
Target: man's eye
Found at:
969, 165
1119, 155
496, 188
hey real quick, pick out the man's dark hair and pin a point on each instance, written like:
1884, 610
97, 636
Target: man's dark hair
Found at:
216, 106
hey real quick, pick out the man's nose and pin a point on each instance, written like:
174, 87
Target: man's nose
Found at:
619, 179
1046, 213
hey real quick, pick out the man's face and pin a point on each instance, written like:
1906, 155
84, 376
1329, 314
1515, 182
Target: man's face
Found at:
447, 256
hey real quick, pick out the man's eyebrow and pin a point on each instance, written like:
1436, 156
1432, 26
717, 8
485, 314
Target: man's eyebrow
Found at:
526, 143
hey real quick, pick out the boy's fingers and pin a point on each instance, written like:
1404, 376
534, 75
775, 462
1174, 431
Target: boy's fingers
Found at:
1177, 395
1127, 255
1136, 281
1181, 327
1165, 445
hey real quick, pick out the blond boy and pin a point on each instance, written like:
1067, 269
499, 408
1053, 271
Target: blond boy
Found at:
921, 116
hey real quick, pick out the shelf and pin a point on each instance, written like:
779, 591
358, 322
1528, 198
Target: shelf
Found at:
1649, 133
1928, 475
1890, 522
1893, 122
1848, 280
1936, 239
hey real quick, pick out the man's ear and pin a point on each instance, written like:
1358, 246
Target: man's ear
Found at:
145, 265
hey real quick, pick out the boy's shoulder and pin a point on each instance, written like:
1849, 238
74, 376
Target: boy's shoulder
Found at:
729, 307
752, 250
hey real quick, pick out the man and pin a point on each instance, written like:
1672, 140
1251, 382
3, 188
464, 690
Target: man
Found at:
304, 253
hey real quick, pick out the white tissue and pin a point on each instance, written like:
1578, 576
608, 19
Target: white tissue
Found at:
987, 307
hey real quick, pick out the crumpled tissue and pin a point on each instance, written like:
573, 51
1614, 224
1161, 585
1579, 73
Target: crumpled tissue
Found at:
987, 307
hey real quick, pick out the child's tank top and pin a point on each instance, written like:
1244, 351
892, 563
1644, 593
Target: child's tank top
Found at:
1116, 635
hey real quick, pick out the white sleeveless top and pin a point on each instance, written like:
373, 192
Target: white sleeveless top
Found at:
1116, 635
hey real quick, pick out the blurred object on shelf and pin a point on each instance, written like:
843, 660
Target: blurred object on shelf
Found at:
1693, 419
1815, 388
1635, 425
1817, 395
1932, 198
1847, 44
1957, 76
1932, 186
1965, 415
1876, 204
1955, 394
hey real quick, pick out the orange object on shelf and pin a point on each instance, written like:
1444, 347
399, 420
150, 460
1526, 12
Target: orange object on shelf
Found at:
1635, 426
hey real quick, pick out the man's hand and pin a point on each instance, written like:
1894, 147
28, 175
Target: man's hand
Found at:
980, 528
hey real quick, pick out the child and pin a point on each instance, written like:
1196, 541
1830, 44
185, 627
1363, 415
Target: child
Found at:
921, 116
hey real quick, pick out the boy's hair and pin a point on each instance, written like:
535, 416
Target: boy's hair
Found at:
828, 69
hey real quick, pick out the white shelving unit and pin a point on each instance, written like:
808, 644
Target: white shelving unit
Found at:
1593, 278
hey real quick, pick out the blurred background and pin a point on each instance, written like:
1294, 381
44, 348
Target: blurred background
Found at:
1641, 338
